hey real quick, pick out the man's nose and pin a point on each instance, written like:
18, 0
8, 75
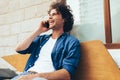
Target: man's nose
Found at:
50, 17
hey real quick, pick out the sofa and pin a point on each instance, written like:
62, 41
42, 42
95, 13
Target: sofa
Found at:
95, 63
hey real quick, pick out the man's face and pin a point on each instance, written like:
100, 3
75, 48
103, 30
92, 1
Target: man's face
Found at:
56, 21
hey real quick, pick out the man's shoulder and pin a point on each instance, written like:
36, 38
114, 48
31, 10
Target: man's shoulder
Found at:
41, 38
72, 38
44, 36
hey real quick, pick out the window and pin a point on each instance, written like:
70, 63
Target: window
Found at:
90, 25
94, 20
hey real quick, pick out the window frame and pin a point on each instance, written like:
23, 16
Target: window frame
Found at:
107, 25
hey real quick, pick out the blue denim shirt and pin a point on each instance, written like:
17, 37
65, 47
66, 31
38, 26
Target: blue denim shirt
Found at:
65, 54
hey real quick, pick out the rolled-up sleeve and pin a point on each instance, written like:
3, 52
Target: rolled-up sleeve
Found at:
70, 63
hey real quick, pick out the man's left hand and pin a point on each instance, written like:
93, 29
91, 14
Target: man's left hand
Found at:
28, 77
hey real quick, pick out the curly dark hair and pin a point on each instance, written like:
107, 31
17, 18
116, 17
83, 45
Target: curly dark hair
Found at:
65, 11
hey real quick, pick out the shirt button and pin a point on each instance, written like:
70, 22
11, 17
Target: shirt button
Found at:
40, 46
30, 65
36, 56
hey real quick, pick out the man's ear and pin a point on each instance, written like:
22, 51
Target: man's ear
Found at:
65, 20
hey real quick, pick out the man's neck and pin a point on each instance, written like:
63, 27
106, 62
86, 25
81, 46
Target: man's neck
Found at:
56, 34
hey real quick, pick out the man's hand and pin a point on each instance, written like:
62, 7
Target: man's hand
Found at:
41, 28
28, 77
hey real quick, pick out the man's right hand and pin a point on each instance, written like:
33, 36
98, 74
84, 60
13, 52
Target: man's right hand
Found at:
41, 28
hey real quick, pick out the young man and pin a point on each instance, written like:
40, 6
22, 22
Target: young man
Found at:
54, 56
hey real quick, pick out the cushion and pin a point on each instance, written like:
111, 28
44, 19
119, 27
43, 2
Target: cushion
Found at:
17, 60
96, 63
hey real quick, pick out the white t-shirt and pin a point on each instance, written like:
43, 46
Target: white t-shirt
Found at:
44, 62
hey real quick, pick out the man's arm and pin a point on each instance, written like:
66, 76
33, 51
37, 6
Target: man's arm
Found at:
61, 74
26, 42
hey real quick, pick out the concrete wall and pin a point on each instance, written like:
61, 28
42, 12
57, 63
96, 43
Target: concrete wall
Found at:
17, 19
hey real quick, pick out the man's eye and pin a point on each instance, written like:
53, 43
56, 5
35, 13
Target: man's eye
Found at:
54, 14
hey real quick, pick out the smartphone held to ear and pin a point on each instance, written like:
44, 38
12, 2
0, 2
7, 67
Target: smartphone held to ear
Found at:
46, 24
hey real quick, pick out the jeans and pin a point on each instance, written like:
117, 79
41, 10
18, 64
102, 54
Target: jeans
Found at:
26, 73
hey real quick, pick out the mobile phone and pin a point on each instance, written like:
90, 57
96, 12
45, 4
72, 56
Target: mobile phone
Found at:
46, 24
